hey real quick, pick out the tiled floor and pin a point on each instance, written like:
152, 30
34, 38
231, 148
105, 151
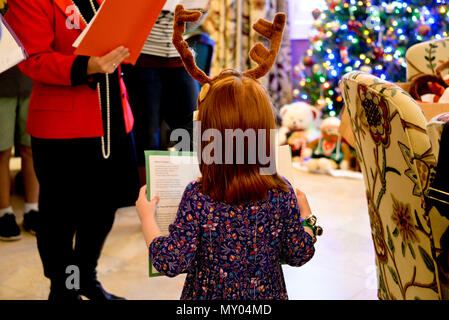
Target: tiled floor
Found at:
342, 268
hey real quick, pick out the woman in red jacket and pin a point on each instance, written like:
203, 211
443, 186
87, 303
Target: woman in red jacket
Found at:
81, 139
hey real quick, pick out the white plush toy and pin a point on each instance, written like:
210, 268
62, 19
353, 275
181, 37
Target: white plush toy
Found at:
297, 127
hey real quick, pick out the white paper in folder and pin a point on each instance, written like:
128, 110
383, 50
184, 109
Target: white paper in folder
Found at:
11, 50
168, 174
284, 164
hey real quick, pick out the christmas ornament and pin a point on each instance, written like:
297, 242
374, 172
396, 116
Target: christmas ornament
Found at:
354, 25
378, 52
316, 13
344, 55
308, 61
424, 30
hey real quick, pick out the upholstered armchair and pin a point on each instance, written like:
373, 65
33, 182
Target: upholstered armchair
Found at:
426, 57
398, 164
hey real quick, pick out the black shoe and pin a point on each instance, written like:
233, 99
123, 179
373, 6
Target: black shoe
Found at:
30, 221
9, 230
95, 291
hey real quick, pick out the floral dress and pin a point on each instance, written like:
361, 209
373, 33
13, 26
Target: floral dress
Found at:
233, 251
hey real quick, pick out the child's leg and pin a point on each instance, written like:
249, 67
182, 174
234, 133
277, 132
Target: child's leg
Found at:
24, 141
5, 179
8, 108
9, 230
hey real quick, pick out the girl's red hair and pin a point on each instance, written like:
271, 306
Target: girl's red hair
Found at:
235, 102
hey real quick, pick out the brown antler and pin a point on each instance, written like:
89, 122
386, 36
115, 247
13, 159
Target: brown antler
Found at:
181, 17
262, 56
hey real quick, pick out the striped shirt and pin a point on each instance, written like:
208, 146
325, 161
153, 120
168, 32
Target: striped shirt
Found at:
159, 42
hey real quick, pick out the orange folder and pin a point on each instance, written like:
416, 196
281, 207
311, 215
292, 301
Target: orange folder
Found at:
121, 23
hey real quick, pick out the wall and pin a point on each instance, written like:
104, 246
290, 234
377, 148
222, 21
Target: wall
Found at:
300, 16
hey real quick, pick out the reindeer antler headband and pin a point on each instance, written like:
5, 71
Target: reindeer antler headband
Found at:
262, 56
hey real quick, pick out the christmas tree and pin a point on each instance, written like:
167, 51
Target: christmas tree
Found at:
372, 36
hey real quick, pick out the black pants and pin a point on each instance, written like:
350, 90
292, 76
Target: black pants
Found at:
157, 95
76, 202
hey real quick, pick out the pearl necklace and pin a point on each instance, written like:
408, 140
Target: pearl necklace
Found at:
106, 154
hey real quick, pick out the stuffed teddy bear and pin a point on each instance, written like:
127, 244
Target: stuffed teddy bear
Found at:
328, 152
296, 129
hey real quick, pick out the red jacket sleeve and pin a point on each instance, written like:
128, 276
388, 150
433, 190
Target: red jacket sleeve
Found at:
33, 21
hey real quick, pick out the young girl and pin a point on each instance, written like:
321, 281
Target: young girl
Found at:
234, 225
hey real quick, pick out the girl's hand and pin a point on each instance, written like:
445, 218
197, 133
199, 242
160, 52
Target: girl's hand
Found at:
304, 208
107, 63
146, 209
147, 212
303, 204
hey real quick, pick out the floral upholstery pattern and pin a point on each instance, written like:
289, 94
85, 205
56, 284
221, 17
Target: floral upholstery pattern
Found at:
398, 165
425, 57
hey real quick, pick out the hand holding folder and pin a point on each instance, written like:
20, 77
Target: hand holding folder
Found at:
119, 23
107, 63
